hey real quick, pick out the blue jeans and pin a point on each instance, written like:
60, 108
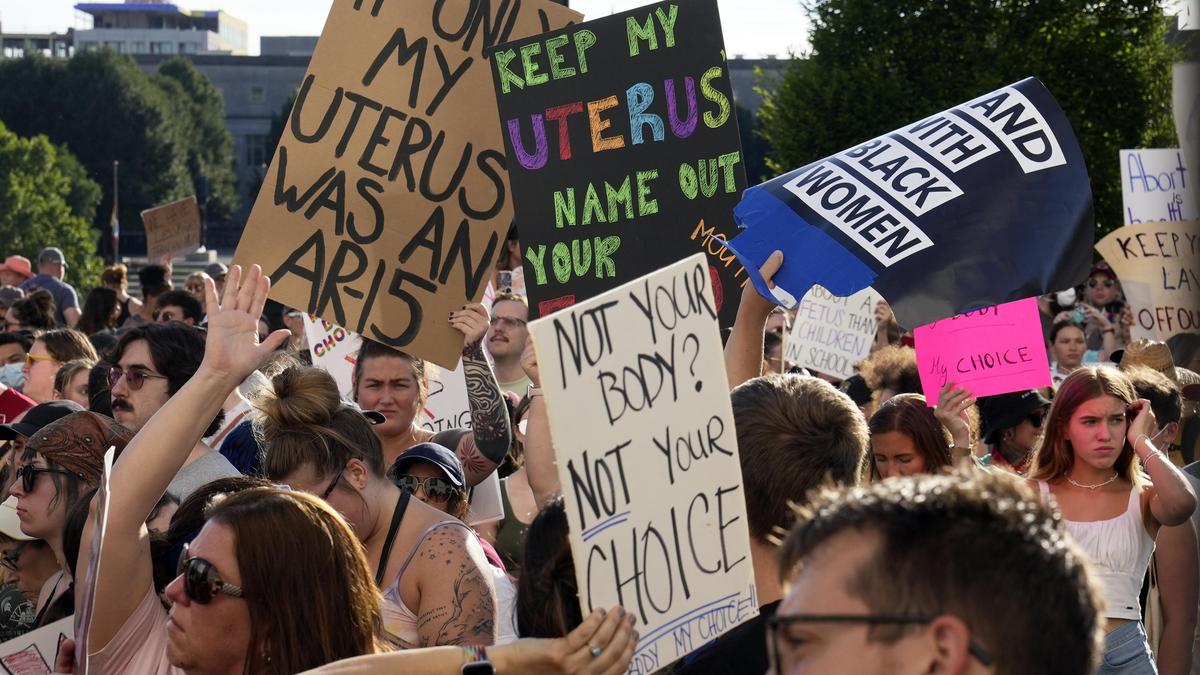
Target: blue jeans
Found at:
1126, 652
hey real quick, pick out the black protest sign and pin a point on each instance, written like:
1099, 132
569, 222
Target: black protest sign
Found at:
387, 200
647, 454
623, 151
984, 203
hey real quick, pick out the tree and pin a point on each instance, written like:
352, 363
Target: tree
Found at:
42, 191
200, 119
875, 66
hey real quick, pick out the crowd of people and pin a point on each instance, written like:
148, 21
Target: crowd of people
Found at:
259, 521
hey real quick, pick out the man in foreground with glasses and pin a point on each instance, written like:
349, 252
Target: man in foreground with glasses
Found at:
154, 361
505, 341
962, 573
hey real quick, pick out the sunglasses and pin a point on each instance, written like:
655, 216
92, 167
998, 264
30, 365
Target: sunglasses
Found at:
510, 322
437, 489
134, 377
28, 476
202, 582
13, 556
31, 359
1108, 283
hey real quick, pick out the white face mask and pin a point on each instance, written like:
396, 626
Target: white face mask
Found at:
13, 375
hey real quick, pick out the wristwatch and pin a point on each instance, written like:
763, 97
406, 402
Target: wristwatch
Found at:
477, 661
533, 390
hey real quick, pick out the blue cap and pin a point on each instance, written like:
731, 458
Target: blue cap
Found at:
435, 454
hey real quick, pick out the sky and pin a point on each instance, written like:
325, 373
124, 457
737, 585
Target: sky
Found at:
773, 27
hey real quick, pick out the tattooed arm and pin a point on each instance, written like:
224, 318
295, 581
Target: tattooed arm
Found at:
458, 601
491, 432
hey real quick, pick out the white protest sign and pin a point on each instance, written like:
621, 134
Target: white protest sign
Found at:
33, 653
334, 350
831, 334
1156, 186
643, 432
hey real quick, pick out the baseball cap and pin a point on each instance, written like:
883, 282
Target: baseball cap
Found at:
52, 254
18, 264
10, 522
37, 417
78, 442
1007, 410
435, 454
1102, 268
216, 270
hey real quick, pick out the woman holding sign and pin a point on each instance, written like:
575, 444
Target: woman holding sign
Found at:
1094, 460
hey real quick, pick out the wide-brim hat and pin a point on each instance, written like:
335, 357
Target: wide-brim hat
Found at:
1007, 410
78, 442
17, 264
1151, 354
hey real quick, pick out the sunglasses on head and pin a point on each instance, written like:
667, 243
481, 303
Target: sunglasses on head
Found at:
202, 582
1093, 282
28, 475
437, 489
134, 377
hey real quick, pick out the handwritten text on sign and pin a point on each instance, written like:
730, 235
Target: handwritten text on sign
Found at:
1156, 185
1159, 268
831, 334
387, 199
172, 228
994, 350
647, 454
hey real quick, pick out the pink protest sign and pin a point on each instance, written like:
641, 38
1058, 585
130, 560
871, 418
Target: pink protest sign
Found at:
994, 350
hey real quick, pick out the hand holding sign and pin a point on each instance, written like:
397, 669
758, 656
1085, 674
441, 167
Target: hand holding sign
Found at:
951, 410
471, 321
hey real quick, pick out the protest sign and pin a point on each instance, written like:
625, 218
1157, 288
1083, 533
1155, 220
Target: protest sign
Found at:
387, 200
334, 350
994, 350
644, 439
831, 334
87, 586
623, 151
1156, 186
984, 203
34, 652
1185, 110
1159, 268
172, 229
447, 406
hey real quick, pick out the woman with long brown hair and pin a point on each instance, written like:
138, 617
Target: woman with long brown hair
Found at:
1093, 460
908, 438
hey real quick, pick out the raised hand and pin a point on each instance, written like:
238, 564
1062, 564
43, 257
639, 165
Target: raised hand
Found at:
232, 348
529, 362
951, 411
1143, 424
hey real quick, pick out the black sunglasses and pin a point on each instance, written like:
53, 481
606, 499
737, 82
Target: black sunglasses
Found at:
201, 582
1108, 283
775, 623
29, 473
437, 489
1036, 418
134, 377
13, 556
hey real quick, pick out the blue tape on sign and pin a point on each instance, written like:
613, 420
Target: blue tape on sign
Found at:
810, 256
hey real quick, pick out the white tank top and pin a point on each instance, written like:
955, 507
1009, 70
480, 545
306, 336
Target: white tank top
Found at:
1119, 550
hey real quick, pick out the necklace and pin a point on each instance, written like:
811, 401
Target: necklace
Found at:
1092, 487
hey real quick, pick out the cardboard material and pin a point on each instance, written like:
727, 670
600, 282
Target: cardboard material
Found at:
387, 200
831, 334
172, 229
994, 350
34, 652
1157, 185
624, 151
643, 434
1159, 268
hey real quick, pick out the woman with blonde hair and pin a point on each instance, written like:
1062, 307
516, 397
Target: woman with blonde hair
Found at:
1094, 460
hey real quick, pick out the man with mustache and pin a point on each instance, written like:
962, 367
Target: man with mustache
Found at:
506, 341
153, 361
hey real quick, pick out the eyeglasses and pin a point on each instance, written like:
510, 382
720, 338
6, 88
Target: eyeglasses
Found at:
134, 377
333, 483
437, 489
31, 359
28, 475
13, 556
779, 624
202, 582
1108, 283
508, 321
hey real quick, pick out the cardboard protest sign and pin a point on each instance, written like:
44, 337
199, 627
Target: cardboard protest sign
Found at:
1156, 186
994, 350
623, 151
981, 204
34, 652
1159, 268
387, 200
831, 334
643, 434
172, 229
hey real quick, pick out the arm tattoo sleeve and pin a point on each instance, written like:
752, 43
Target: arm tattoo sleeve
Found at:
489, 415
465, 614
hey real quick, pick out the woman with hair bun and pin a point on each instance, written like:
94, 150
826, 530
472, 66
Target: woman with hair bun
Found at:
33, 312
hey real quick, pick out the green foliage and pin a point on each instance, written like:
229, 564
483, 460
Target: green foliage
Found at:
875, 66
43, 199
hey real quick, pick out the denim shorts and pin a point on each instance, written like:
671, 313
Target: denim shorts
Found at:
1127, 652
